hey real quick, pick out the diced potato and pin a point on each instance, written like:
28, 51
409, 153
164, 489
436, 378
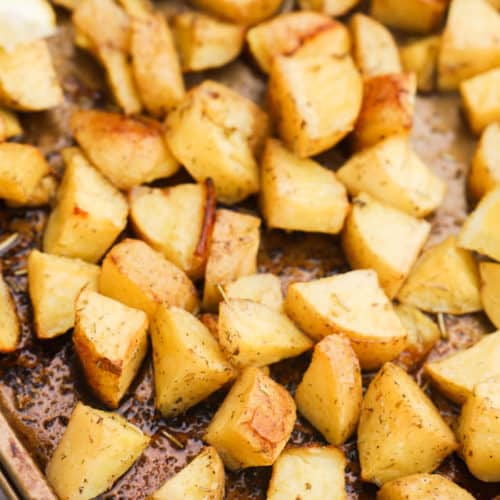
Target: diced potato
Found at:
90, 212
490, 290
420, 486
307, 473
138, 276
416, 16
252, 334
485, 171
330, 7
54, 284
176, 221
10, 329
444, 280
137, 8
254, 422
479, 430
480, 230
202, 479
400, 431
456, 375
69, 4
10, 126
314, 100
392, 173
495, 3
285, 33
111, 341
335, 305
420, 57
240, 11
375, 51
331, 390
96, 449
379, 237
155, 63
334, 40
43, 194
481, 99
388, 105
262, 288
232, 253
21, 169
299, 194
215, 132
188, 363
128, 151
204, 42
468, 48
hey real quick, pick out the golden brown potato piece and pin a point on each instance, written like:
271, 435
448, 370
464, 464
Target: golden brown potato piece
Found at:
387, 110
308, 472
375, 51
240, 11
420, 57
479, 430
335, 305
216, 132
262, 288
382, 238
10, 126
330, 7
254, 422
314, 100
89, 215
10, 329
232, 253
135, 274
331, 390
444, 280
137, 8
202, 479
96, 448
54, 284
456, 375
69, 4
299, 194
468, 48
490, 290
205, 42
111, 341
43, 194
400, 430
392, 173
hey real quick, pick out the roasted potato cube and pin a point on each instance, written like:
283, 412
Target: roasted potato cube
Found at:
240, 11
331, 390
128, 151
375, 51
204, 42
232, 253
314, 100
21, 169
444, 280
135, 274
155, 63
420, 57
299, 194
90, 212
43, 194
490, 290
479, 430
481, 99
330, 7
176, 221
480, 232
215, 132
111, 341
188, 363
262, 288
456, 375
252, 334
69, 4
387, 110
10, 329
392, 173
400, 431
96, 448
420, 486
137, 8
379, 237
254, 422
10, 126
54, 284
202, 479
307, 473
485, 172
332, 41
468, 49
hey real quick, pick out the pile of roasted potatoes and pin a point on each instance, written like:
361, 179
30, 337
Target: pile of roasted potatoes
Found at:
329, 80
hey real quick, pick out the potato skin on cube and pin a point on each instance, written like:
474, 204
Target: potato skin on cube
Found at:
246, 12
10, 328
330, 7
